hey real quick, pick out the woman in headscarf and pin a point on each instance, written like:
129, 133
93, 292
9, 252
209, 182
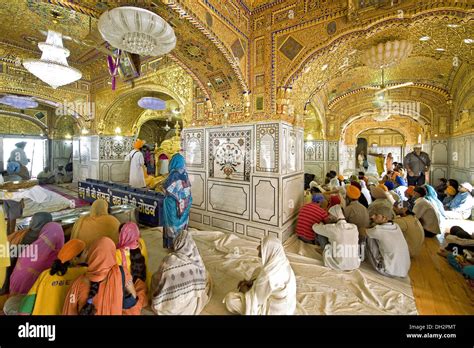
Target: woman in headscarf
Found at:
30, 234
33, 260
273, 292
177, 202
47, 295
25, 237
432, 197
181, 285
37, 257
105, 288
98, 224
132, 253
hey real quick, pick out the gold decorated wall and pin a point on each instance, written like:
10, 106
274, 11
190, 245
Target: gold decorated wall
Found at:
17, 126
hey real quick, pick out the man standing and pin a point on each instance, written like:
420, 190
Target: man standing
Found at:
417, 164
18, 155
137, 165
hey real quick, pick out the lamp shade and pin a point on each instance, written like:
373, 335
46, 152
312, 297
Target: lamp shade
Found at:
152, 103
137, 30
387, 54
18, 102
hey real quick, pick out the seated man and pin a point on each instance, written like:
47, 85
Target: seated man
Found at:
381, 198
461, 205
409, 203
272, 291
441, 187
354, 211
341, 250
59, 174
412, 230
310, 214
46, 177
387, 249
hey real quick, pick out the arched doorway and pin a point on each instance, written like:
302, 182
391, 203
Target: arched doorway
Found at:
380, 141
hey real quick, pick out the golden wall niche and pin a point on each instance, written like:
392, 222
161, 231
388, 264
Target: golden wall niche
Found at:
65, 127
18, 126
119, 108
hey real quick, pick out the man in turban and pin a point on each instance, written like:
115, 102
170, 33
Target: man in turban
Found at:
18, 155
354, 211
137, 165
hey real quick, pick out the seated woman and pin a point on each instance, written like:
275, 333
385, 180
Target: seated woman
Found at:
25, 237
98, 224
449, 195
47, 295
457, 240
131, 251
273, 291
181, 285
106, 288
33, 260
426, 213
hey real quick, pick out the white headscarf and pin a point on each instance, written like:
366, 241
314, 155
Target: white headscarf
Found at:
334, 183
336, 211
274, 290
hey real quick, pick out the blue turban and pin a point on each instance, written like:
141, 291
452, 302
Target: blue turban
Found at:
317, 198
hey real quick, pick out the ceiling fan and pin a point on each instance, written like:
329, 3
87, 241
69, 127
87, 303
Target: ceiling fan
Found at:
383, 88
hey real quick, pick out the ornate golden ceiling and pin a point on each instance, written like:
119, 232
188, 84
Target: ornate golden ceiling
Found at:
253, 5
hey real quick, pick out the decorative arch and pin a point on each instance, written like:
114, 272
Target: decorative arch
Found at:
28, 118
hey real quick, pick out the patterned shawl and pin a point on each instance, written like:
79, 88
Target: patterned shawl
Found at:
177, 183
181, 272
37, 257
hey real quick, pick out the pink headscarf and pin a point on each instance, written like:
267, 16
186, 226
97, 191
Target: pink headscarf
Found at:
36, 258
128, 239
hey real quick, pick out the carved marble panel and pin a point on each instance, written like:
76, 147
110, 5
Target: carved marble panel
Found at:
439, 152
226, 225
114, 148
267, 149
265, 195
198, 189
194, 147
292, 151
333, 151
292, 196
229, 154
229, 199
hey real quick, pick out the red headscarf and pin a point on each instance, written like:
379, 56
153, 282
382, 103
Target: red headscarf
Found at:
128, 239
334, 200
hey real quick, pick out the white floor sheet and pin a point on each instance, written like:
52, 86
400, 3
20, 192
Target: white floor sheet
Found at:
320, 290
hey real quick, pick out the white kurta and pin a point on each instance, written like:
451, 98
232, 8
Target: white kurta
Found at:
137, 161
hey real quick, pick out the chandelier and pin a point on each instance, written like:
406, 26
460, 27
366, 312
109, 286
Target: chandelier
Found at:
387, 54
18, 102
137, 30
53, 68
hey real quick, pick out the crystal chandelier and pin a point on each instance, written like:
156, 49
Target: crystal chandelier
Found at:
137, 30
387, 54
53, 68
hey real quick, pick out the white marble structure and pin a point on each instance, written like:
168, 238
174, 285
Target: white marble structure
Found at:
246, 179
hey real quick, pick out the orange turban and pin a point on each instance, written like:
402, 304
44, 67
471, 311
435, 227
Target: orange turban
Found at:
340, 177
352, 192
383, 187
410, 190
71, 249
451, 191
138, 144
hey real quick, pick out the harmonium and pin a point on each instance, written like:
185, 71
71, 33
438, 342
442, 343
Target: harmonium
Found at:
148, 202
